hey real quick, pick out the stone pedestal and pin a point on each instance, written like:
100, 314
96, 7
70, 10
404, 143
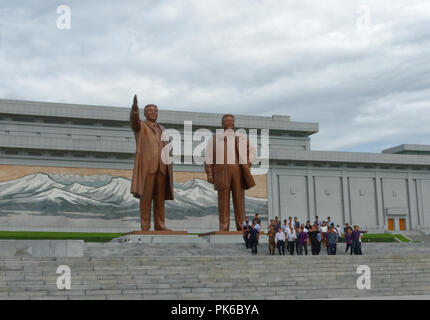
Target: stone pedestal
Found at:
224, 233
172, 236
221, 233
227, 237
156, 233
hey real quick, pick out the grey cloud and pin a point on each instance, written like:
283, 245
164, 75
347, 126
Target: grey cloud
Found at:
302, 58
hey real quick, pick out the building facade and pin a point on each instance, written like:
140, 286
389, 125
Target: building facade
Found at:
68, 167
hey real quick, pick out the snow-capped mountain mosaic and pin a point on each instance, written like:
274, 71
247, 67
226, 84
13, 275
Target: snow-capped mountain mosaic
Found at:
105, 197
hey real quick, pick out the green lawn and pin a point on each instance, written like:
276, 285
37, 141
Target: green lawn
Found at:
379, 237
106, 237
40, 235
383, 237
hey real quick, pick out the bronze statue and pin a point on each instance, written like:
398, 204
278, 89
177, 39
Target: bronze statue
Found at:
228, 159
152, 176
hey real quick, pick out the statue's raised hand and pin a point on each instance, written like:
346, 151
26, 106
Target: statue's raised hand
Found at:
134, 106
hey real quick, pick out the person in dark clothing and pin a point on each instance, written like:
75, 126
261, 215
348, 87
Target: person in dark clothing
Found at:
277, 224
326, 243
253, 238
347, 226
332, 241
319, 238
329, 222
313, 235
256, 220
303, 242
297, 230
246, 229
356, 244
296, 223
348, 240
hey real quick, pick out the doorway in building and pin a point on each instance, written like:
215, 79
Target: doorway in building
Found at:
402, 224
390, 224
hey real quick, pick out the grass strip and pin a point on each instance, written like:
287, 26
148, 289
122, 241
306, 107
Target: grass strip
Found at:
42, 235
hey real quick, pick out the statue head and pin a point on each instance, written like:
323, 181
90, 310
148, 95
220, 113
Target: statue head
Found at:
227, 121
151, 112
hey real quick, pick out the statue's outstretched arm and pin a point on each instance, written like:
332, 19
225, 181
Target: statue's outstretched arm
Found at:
134, 116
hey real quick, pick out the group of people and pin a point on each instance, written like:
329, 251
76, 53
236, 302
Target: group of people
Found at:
292, 236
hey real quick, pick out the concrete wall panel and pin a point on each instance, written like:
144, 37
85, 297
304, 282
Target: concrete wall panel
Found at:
294, 197
328, 192
363, 202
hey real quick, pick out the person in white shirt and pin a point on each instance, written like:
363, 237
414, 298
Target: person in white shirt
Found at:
359, 240
339, 233
290, 225
284, 227
324, 230
280, 241
257, 227
291, 235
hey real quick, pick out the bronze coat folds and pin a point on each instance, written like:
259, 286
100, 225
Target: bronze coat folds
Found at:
148, 158
219, 171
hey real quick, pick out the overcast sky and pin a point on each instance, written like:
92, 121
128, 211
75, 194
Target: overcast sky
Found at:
358, 68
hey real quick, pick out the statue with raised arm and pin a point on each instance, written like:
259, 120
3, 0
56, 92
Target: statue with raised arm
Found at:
228, 159
152, 179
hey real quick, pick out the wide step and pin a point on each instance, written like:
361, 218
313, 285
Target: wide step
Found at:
214, 277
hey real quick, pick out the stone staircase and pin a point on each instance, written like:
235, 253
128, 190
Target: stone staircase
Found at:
235, 249
424, 239
214, 277
167, 249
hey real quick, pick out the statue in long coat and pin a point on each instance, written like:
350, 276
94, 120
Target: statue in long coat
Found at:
228, 159
152, 179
